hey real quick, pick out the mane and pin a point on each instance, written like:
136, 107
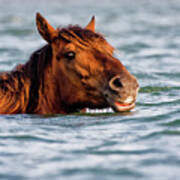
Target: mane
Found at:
80, 35
84, 34
24, 79
85, 39
35, 69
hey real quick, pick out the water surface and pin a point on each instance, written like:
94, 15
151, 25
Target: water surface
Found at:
142, 144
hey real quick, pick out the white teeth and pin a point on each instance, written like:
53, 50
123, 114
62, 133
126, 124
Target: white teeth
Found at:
128, 100
99, 111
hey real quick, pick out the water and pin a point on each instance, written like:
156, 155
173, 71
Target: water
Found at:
142, 144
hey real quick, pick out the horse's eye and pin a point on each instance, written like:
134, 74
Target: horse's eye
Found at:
70, 55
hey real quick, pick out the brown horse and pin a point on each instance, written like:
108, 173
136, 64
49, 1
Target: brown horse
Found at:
74, 71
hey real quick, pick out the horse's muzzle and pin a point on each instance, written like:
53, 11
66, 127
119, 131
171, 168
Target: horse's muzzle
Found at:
121, 94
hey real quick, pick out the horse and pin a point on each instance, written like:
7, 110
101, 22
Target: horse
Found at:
73, 71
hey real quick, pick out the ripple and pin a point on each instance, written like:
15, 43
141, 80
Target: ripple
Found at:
141, 144
17, 32
124, 152
124, 172
150, 89
174, 123
28, 138
158, 134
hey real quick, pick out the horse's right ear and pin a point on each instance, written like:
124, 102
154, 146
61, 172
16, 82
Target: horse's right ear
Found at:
91, 25
45, 29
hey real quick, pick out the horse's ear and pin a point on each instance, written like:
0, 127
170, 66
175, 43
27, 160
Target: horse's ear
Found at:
45, 29
91, 25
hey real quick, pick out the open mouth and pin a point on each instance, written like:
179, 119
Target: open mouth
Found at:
119, 107
113, 105
99, 111
116, 107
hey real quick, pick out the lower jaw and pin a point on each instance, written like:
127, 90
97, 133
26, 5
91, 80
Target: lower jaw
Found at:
118, 107
115, 108
99, 111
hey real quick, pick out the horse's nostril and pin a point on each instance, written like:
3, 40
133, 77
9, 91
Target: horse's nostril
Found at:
106, 95
117, 83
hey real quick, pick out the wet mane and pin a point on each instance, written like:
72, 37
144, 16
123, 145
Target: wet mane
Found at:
35, 69
33, 73
85, 39
80, 35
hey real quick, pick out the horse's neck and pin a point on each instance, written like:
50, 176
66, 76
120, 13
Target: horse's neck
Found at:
14, 93
49, 96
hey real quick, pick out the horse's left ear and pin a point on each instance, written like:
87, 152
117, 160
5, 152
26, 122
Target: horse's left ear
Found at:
91, 25
45, 29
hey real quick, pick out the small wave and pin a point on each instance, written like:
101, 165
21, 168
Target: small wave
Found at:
152, 89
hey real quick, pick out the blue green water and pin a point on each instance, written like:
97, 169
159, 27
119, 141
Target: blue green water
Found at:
142, 144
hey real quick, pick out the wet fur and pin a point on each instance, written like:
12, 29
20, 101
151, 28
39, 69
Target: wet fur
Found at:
41, 86
19, 89
24, 90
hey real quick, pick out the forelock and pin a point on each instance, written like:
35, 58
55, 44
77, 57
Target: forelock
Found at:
85, 38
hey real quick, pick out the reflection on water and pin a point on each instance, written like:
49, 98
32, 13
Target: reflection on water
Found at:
142, 144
